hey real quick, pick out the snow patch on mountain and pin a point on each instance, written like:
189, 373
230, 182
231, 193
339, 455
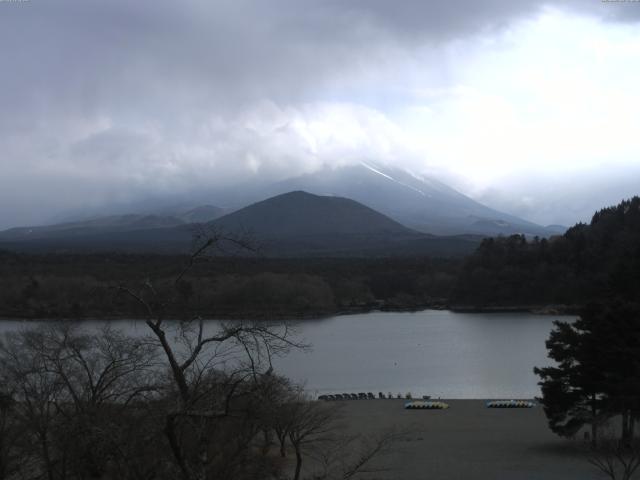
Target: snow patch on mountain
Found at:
394, 180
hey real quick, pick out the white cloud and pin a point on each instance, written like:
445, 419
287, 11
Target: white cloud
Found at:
127, 101
556, 95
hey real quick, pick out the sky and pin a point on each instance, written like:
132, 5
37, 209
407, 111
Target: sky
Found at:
531, 107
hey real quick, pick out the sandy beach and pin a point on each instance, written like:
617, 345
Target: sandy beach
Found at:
469, 441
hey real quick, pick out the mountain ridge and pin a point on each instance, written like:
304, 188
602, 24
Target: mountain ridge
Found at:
423, 204
292, 224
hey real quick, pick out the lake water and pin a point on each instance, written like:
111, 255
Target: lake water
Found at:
432, 352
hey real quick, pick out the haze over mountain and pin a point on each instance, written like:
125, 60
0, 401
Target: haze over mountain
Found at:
291, 224
201, 214
418, 202
114, 223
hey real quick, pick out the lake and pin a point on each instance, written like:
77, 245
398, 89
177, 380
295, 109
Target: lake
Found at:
432, 352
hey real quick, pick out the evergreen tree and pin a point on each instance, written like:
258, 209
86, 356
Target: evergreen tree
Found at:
572, 391
597, 371
618, 332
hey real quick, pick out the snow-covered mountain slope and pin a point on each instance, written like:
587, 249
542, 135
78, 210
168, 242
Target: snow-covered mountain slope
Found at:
424, 204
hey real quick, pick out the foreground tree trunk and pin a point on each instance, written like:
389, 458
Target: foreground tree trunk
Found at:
594, 426
625, 427
298, 463
283, 450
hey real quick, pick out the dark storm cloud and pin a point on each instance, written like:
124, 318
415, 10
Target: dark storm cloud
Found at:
89, 52
150, 58
83, 54
120, 98
91, 55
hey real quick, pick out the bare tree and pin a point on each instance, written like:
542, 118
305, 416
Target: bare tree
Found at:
69, 392
217, 373
349, 456
36, 392
617, 459
10, 434
310, 424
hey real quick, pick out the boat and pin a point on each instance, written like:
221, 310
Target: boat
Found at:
510, 404
424, 405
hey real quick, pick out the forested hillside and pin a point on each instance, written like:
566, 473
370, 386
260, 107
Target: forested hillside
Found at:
598, 260
589, 262
81, 286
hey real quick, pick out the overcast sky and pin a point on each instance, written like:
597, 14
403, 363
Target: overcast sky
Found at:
531, 107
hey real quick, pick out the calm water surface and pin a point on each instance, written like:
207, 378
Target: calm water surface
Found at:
438, 353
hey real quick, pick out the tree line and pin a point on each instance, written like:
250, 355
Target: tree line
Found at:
594, 261
587, 262
81, 286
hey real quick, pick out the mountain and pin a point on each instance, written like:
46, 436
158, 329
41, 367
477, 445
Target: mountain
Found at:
421, 203
112, 223
201, 214
292, 224
556, 229
300, 223
300, 213
115, 223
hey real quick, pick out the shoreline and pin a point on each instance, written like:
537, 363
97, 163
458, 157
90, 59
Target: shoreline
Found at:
551, 309
543, 310
483, 401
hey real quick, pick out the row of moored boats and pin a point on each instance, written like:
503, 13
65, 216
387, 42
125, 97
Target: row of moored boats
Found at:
365, 396
426, 405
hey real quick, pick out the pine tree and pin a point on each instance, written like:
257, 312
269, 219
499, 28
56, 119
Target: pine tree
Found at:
572, 391
597, 372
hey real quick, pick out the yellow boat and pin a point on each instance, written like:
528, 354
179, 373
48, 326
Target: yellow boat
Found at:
423, 405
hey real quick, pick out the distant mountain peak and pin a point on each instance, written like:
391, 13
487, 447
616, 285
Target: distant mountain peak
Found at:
421, 203
302, 213
294, 223
202, 214
295, 193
